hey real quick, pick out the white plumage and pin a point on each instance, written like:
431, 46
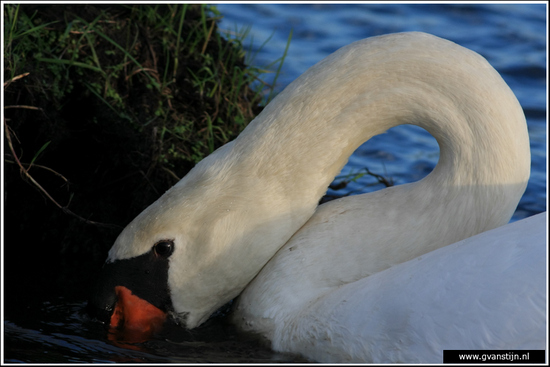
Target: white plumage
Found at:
487, 292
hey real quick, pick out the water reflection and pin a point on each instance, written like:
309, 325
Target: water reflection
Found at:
65, 334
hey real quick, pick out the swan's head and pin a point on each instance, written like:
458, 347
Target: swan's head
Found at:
194, 249
139, 273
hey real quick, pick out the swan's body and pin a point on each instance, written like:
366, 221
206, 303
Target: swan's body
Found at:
487, 292
229, 216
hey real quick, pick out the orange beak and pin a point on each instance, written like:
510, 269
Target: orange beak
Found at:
134, 319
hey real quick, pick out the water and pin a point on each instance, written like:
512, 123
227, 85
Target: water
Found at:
511, 37
60, 331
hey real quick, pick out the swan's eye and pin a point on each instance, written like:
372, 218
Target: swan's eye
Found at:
164, 248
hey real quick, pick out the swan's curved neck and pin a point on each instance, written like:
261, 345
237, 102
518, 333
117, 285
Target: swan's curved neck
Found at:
304, 137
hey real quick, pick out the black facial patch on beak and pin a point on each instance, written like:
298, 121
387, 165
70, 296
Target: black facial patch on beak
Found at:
146, 276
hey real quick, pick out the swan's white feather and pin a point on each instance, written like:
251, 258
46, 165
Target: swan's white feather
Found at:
487, 292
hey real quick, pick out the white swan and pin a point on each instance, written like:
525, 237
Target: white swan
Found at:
217, 228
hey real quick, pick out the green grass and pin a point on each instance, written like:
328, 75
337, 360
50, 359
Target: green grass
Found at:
106, 107
173, 51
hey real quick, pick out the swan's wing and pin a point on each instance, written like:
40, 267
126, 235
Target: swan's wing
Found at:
485, 292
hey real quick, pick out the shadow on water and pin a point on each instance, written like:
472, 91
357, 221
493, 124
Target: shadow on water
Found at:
63, 333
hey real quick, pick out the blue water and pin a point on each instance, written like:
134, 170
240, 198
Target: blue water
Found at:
511, 37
